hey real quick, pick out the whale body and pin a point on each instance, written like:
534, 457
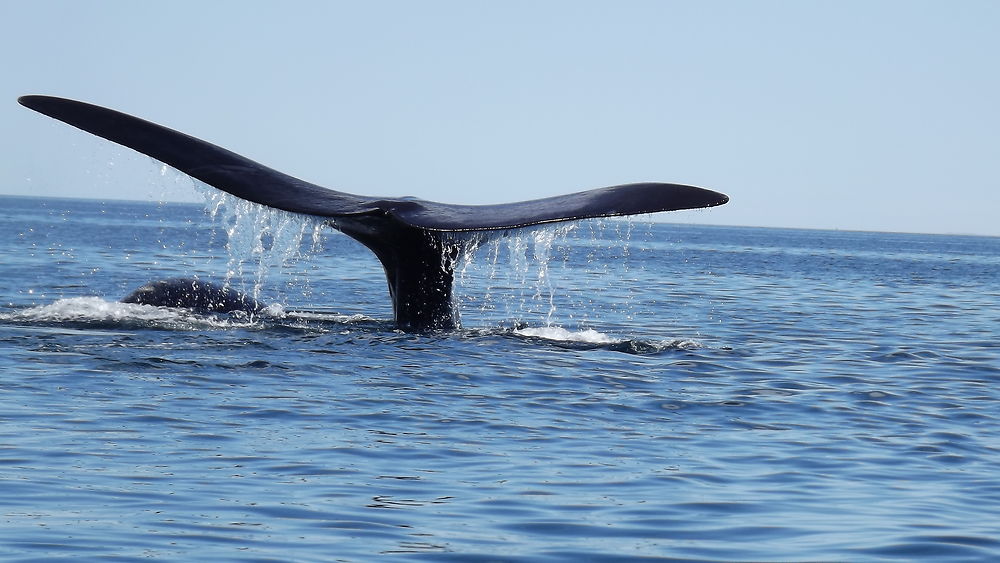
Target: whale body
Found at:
194, 294
416, 240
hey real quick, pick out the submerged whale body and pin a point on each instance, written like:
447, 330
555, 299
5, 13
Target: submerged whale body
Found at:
416, 241
197, 295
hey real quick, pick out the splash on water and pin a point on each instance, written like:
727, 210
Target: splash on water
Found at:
512, 277
591, 339
526, 275
589, 336
95, 312
261, 240
98, 311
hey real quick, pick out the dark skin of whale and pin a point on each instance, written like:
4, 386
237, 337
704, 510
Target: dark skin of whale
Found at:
415, 240
197, 295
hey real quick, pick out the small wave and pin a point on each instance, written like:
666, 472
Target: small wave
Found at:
100, 312
587, 336
592, 339
95, 312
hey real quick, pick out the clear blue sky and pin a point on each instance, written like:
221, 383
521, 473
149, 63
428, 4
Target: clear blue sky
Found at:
874, 115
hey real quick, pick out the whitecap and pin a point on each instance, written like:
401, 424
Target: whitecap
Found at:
95, 310
586, 336
590, 339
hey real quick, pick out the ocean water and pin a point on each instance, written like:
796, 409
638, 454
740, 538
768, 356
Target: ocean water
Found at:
618, 391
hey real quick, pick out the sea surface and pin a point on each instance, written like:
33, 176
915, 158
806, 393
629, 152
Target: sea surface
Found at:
618, 391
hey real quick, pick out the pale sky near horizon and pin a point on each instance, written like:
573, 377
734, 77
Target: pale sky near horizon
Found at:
858, 115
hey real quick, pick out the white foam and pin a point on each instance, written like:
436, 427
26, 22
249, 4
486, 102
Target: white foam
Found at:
92, 308
588, 336
97, 310
591, 337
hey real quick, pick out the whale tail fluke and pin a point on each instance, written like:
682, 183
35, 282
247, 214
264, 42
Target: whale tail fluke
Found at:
409, 236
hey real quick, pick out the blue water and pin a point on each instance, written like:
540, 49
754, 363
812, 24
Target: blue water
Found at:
620, 391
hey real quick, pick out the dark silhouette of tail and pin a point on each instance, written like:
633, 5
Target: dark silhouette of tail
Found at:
413, 239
